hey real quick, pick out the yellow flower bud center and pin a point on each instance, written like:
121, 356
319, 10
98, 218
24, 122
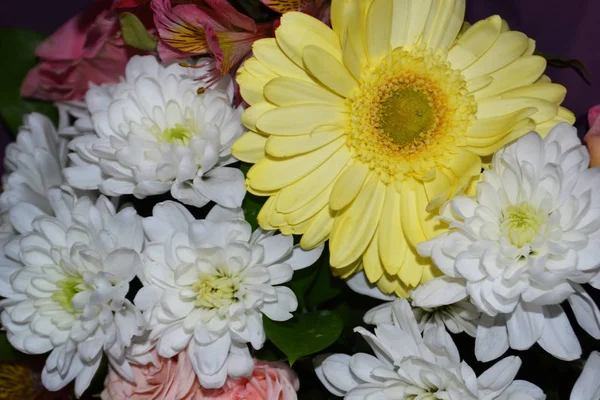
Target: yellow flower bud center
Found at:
68, 289
215, 291
179, 134
406, 114
520, 223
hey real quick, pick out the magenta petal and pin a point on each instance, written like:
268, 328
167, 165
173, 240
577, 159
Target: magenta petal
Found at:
593, 114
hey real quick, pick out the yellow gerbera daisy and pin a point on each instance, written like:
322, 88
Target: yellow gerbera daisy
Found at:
360, 132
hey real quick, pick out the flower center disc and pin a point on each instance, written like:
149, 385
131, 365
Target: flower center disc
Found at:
405, 115
215, 291
409, 114
521, 223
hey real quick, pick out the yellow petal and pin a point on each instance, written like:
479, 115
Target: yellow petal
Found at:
288, 146
313, 25
429, 271
319, 229
411, 272
256, 69
379, 29
399, 23
285, 91
465, 167
251, 88
479, 83
270, 55
489, 108
299, 119
486, 148
443, 23
250, 147
408, 210
352, 61
265, 212
328, 70
371, 262
354, 227
475, 42
304, 190
551, 92
311, 209
348, 185
293, 38
391, 284
441, 187
354, 34
493, 128
509, 46
544, 79
429, 225
348, 270
417, 18
566, 115
272, 174
391, 241
524, 71
250, 115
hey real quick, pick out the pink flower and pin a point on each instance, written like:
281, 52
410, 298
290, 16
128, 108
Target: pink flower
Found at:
88, 48
175, 379
206, 27
592, 137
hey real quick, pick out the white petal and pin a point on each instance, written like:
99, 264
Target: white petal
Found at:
359, 283
225, 186
492, 338
497, 378
301, 258
525, 325
588, 383
558, 337
439, 292
586, 312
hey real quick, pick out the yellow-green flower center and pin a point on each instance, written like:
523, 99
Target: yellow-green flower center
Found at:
180, 134
521, 223
406, 114
409, 114
68, 289
215, 291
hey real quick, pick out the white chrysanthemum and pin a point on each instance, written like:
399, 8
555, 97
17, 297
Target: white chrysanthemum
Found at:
159, 130
33, 165
407, 366
523, 245
65, 283
207, 284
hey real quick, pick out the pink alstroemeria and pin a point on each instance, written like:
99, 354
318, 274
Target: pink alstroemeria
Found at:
592, 137
205, 27
87, 49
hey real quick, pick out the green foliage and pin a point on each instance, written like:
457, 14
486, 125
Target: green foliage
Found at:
564, 62
17, 47
135, 33
305, 334
7, 352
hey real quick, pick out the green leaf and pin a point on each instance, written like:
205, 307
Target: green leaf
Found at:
135, 33
305, 334
17, 48
564, 62
7, 352
325, 286
302, 281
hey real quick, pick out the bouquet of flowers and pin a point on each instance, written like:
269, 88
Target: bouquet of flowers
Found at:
297, 199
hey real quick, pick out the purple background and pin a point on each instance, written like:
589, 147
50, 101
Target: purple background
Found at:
563, 28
